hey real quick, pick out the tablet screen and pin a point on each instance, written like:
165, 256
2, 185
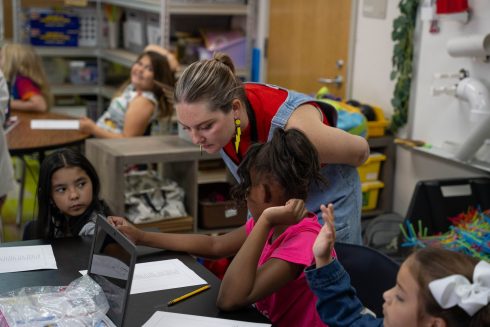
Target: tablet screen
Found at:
111, 266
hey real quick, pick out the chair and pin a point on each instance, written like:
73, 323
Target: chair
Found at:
371, 273
29, 230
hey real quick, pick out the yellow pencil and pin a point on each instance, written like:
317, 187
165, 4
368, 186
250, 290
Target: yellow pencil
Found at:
185, 296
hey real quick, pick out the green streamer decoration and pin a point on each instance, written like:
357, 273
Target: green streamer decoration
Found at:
402, 35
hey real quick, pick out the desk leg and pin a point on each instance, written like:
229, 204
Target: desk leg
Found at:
20, 204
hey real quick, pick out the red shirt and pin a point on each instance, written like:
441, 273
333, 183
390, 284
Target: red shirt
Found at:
265, 101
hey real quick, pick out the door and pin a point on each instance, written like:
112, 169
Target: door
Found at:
309, 40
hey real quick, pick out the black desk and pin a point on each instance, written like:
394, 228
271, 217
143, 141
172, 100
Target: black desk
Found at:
72, 255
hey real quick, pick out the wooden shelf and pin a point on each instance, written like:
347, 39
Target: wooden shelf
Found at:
206, 176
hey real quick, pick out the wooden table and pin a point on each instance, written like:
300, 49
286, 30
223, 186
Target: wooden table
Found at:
22, 140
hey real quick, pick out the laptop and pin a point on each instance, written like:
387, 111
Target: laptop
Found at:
112, 263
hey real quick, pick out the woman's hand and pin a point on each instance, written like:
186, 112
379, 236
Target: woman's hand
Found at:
322, 249
289, 214
134, 234
87, 125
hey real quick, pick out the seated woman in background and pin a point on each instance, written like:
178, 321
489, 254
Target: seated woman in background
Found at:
147, 95
23, 69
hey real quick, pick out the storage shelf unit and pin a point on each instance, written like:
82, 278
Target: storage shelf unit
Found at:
167, 11
65, 89
179, 158
67, 51
386, 146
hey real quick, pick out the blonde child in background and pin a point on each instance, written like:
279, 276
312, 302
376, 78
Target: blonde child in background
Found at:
146, 96
270, 255
23, 69
435, 288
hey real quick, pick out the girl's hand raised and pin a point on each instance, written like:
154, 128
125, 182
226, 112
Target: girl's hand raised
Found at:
322, 249
134, 234
291, 213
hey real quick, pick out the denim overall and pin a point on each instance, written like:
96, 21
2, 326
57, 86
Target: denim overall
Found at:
344, 186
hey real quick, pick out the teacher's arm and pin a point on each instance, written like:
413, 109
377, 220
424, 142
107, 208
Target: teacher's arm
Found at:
334, 145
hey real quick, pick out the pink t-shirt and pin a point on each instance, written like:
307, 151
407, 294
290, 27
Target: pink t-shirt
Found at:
294, 304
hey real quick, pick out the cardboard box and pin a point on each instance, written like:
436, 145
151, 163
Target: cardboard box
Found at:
53, 29
216, 210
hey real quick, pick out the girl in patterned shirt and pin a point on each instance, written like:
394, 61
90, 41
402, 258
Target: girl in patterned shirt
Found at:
146, 96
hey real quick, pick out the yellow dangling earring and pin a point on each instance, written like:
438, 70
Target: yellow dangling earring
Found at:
200, 149
238, 132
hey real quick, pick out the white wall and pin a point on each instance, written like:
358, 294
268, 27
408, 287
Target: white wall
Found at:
372, 59
445, 118
432, 119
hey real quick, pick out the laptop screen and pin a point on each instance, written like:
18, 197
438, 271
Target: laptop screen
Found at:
111, 265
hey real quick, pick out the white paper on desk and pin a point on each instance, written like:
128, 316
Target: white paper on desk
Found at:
162, 275
24, 258
58, 124
161, 318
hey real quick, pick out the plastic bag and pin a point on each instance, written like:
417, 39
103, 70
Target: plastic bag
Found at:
82, 303
149, 198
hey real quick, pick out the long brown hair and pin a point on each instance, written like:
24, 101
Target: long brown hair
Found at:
163, 83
